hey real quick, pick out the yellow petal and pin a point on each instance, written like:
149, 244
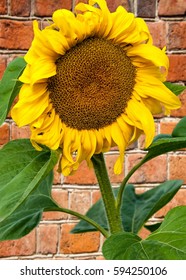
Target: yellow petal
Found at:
25, 112
117, 137
150, 53
141, 118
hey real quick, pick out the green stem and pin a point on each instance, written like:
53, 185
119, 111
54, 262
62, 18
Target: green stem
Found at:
82, 217
124, 182
113, 214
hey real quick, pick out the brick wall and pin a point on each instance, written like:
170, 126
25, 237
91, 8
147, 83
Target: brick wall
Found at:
51, 239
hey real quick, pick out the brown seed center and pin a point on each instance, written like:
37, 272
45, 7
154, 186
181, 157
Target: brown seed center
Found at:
93, 84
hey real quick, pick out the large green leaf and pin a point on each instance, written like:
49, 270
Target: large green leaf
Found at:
22, 168
28, 214
136, 209
10, 86
166, 243
175, 88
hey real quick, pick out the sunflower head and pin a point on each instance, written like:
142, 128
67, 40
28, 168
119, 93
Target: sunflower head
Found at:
93, 80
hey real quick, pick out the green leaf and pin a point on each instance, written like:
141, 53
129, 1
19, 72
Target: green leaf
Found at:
166, 243
136, 209
164, 145
10, 86
180, 129
22, 168
175, 88
28, 214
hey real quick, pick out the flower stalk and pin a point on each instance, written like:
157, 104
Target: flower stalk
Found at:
113, 214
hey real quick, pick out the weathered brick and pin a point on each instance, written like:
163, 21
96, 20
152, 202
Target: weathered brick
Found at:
177, 165
19, 132
3, 7
47, 7
146, 9
83, 176
3, 63
80, 201
176, 35
47, 239
96, 195
151, 172
112, 5
24, 246
177, 69
61, 197
78, 243
23, 9
158, 32
4, 133
171, 7
15, 34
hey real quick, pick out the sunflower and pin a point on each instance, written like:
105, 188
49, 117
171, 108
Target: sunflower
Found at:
93, 80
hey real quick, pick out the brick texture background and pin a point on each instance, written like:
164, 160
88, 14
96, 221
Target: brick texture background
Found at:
51, 239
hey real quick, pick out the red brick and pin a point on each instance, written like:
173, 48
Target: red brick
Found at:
83, 176
158, 32
47, 7
177, 69
19, 132
171, 7
176, 35
182, 111
23, 9
3, 63
167, 127
3, 7
57, 176
177, 164
24, 246
151, 172
80, 201
144, 233
15, 34
178, 200
78, 243
61, 197
47, 239
4, 134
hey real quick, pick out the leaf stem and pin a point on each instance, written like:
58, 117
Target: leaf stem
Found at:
124, 182
82, 217
113, 214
